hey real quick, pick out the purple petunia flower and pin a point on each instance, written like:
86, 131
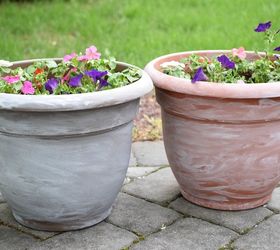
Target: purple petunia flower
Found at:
76, 81
226, 62
199, 76
95, 74
262, 27
51, 85
103, 83
277, 49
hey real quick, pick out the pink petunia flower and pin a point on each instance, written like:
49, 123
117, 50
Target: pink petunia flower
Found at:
27, 88
91, 54
67, 76
239, 53
11, 79
83, 58
69, 57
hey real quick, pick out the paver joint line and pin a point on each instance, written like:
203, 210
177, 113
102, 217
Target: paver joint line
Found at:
21, 231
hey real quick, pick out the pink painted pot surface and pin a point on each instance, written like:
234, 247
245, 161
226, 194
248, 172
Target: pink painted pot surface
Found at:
222, 140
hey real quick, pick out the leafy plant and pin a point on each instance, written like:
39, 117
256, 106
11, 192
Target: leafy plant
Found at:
75, 74
232, 67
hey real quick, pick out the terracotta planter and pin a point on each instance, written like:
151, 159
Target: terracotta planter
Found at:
222, 140
63, 159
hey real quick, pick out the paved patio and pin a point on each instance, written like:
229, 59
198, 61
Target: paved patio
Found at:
151, 214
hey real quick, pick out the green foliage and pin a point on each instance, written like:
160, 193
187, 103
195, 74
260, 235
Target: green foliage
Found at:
230, 68
40, 72
260, 71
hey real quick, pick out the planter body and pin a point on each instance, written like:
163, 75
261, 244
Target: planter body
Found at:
62, 166
223, 148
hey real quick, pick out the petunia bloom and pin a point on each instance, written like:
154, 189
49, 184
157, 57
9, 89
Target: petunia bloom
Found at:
103, 83
27, 88
277, 49
199, 76
91, 54
67, 76
82, 58
226, 62
239, 53
11, 79
95, 74
38, 71
69, 57
262, 27
51, 85
76, 81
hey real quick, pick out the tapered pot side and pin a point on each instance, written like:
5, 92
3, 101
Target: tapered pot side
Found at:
63, 159
222, 140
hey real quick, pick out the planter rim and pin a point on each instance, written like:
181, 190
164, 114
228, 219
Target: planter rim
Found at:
208, 89
104, 98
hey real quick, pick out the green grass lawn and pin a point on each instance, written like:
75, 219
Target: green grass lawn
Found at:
134, 31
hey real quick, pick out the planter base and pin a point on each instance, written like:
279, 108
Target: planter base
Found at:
67, 225
231, 205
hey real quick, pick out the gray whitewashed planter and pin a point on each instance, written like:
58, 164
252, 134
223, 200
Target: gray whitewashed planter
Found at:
63, 159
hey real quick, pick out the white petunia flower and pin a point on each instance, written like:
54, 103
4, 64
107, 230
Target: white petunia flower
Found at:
4, 63
172, 64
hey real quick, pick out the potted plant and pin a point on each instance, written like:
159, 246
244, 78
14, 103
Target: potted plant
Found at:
65, 137
221, 118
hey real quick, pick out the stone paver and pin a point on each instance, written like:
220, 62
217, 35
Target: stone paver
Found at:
103, 236
160, 187
1, 198
132, 160
11, 239
140, 216
239, 221
135, 172
7, 218
150, 153
274, 203
190, 234
266, 236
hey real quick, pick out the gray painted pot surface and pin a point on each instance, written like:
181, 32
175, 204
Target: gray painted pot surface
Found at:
63, 159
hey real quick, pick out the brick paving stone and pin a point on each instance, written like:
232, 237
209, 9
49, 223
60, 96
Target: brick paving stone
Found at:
140, 216
239, 221
189, 233
11, 239
132, 160
274, 203
160, 187
103, 236
7, 218
138, 172
135, 172
150, 153
266, 236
